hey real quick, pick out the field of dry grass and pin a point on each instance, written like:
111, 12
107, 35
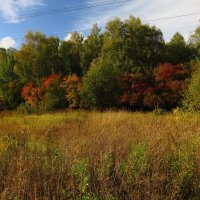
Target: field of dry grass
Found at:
91, 155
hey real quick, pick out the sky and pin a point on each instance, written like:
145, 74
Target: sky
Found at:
13, 29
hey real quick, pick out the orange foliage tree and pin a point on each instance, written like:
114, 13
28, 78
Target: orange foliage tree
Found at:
32, 94
72, 85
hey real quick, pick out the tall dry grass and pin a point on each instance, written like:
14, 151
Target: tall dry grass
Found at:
90, 155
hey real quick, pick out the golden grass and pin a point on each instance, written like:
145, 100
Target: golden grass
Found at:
91, 155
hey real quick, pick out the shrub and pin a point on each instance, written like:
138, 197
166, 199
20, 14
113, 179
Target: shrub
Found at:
153, 101
139, 91
132, 89
191, 100
26, 108
159, 111
101, 86
171, 81
72, 85
54, 97
32, 94
45, 96
10, 96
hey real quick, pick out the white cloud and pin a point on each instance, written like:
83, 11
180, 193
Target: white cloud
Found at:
28, 3
147, 10
7, 42
11, 9
68, 37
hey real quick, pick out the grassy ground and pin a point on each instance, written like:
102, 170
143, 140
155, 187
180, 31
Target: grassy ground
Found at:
112, 155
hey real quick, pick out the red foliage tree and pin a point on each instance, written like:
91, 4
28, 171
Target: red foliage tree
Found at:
172, 82
163, 88
168, 72
49, 80
136, 87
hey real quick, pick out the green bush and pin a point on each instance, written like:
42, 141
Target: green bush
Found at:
10, 94
26, 108
101, 86
191, 100
159, 111
54, 98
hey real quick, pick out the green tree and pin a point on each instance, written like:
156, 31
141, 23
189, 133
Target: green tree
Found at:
133, 45
38, 57
10, 86
114, 44
7, 64
91, 48
101, 86
144, 44
194, 42
177, 50
192, 96
10, 94
70, 54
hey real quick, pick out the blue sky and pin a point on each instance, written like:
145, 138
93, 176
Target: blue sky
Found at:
11, 31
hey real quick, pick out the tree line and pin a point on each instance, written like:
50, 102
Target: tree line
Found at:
129, 65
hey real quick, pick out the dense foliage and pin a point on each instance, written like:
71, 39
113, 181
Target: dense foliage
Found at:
72, 85
101, 86
192, 95
129, 65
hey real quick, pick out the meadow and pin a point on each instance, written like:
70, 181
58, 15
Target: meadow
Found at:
92, 155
